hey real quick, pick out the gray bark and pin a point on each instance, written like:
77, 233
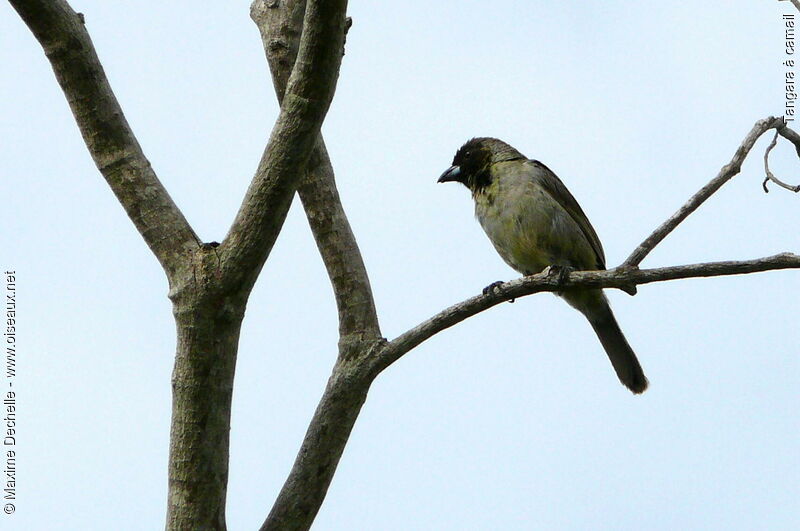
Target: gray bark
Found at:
210, 283
621, 278
105, 130
278, 23
728, 172
359, 333
210, 307
304, 490
208, 321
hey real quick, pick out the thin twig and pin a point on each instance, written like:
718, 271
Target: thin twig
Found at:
766, 162
612, 278
770, 176
725, 174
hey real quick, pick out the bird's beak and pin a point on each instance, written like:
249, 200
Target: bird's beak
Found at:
453, 173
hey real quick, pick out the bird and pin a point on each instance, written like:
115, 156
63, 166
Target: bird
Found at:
534, 223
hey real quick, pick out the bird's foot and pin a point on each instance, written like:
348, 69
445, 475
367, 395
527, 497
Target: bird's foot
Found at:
559, 273
492, 287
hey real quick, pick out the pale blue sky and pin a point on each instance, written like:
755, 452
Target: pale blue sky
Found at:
512, 420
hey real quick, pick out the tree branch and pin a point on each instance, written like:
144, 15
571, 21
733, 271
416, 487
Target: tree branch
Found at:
791, 136
204, 371
339, 250
279, 27
328, 432
307, 484
305, 488
107, 135
623, 277
309, 91
620, 277
770, 176
725, 174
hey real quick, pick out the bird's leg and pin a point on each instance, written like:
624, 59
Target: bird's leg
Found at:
559, 273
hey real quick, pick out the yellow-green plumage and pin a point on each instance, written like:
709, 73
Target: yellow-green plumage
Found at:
527, 226
534, 222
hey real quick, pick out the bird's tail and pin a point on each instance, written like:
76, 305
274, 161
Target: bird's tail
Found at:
620, 353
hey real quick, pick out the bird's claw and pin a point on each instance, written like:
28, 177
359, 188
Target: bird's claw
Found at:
492, 287
559, 273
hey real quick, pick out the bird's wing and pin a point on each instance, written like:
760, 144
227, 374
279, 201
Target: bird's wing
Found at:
553, 185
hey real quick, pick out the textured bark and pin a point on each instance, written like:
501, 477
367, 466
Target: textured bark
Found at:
358, 318
215, 297
308, 94
210, 284
620, 278
108, 137
279, 24
305, 488
208, 323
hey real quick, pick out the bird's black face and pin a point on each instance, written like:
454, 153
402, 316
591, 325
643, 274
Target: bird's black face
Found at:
471, 165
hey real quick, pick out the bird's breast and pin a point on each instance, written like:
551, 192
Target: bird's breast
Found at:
529, 229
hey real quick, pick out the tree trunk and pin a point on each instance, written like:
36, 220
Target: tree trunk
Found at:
208, 325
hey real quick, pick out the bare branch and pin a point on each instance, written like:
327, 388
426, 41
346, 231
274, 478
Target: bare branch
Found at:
239, 260
791, 136
796, 4
305, 66
620, 277
279, 26
725, 174
766, 162
107, 135
305, 488
338, 247
309, 91
770, 176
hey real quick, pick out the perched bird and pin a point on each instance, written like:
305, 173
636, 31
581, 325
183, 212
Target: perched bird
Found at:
534, 222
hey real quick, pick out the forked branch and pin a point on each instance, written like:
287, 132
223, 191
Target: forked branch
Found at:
725, 174
306, 486
623, 277
305, 68
308, 94
620, 278
304, 490
278, 23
